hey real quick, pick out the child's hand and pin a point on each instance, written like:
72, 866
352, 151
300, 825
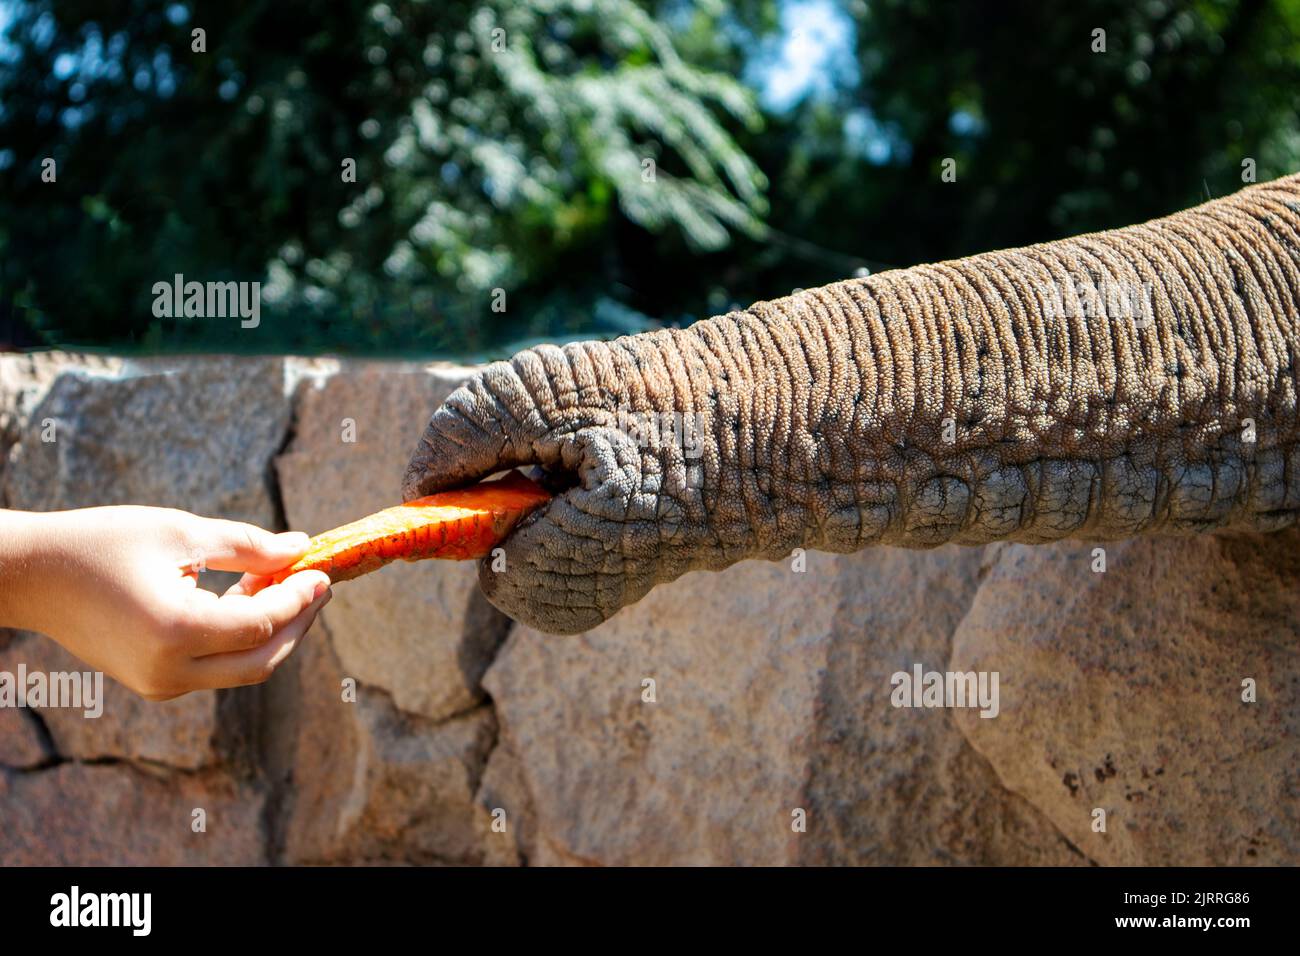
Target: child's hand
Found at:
118, 588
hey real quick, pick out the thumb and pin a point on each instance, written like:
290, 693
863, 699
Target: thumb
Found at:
220, 545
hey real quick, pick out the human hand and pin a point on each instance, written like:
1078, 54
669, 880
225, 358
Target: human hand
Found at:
118, 587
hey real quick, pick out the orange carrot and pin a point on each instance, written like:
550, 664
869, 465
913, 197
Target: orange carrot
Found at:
466, 523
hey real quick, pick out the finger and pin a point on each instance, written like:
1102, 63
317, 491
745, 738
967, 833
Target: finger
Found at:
235, 546
249, 584
240, 622
255, 666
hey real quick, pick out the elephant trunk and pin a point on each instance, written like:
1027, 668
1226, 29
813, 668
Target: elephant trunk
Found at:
1103, 386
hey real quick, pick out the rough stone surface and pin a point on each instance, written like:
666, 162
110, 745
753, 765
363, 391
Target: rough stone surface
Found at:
772, 695
422, 632
102, 815
1123, 691
21, 746
371, 782
503, 793
24, 380
178, 732
198, 436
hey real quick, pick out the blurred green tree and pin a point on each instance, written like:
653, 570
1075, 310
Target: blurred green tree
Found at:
492, 141
1049, 138
1065, 119
515, 161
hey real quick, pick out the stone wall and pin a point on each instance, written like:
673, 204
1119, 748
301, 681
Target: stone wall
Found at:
476, 741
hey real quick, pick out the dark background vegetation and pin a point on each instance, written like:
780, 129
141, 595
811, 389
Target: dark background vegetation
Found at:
514, 161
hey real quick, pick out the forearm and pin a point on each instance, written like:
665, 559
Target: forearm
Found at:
983, 399
25, 547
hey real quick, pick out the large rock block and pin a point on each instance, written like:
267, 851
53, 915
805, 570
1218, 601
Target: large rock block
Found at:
24, 380
370, 783
197, 435
422, 632
1123, 691
772, 696
118, 815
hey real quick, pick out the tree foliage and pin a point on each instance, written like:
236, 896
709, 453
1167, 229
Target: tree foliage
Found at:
492, 140
592, 166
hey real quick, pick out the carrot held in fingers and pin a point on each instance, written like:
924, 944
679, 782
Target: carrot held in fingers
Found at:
460, 524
